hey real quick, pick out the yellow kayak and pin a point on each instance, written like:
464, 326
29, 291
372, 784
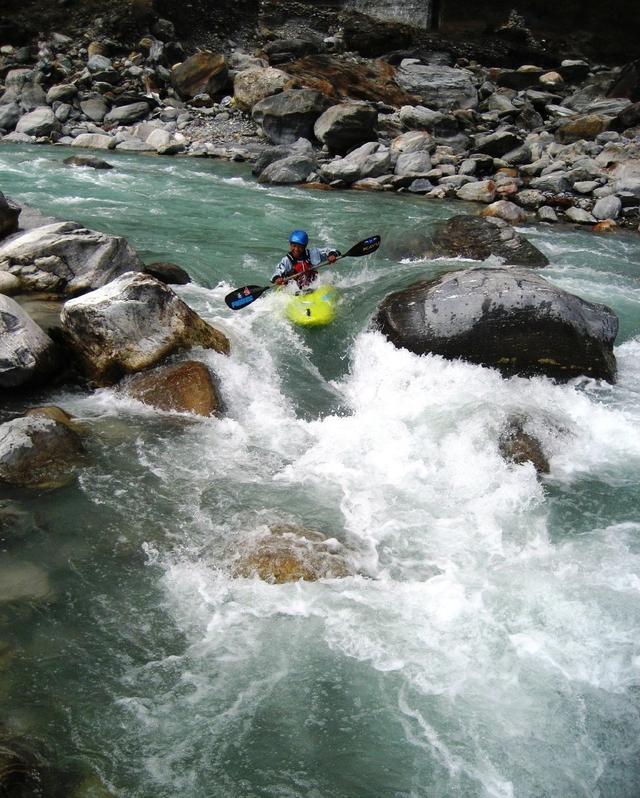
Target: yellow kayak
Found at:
313, 308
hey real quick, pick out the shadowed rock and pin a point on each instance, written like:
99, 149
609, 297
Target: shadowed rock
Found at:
509, 319
36, 451
28, 356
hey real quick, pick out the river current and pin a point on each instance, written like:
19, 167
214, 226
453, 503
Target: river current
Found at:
488, 641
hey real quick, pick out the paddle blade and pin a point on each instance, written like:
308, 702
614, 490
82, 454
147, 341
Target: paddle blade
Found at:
241, 297
365, 247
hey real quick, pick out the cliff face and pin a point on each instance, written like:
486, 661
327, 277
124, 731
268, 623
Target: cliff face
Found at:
606, 32
574, 28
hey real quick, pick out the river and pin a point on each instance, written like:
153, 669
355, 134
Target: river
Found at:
487, 643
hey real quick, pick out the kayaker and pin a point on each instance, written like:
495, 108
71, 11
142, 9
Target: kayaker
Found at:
300, 260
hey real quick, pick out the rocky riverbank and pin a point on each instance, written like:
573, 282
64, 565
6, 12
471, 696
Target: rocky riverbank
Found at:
314, 106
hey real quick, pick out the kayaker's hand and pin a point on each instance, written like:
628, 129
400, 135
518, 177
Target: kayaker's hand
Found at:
331, 258
279, 281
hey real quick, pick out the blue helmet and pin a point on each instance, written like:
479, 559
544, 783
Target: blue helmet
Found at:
299, 237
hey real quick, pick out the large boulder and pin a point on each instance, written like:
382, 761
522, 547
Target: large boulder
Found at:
288, 171
290, 115
479, 238
37, 451
202, 73
344, 78
186, 387
27, 355
438, 87
509, 319
252, 85
41, 122
132, 324
346, 125
66, 258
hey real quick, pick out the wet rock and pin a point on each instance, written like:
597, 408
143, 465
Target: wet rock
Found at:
186, 387
290, 115
132, 324
289, 553
168, 273
38, 452
518, 447
345, 126
66, 258
478, 238
510, 319
87, 161
28, 356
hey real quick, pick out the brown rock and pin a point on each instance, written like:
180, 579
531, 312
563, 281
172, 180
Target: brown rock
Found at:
342, 79
202, 73
519, 447
288, 553
51, 411
185, 387
606, 226
583, 127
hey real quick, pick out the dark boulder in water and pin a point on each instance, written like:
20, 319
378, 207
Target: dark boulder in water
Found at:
518, 446
509, 319
479, 238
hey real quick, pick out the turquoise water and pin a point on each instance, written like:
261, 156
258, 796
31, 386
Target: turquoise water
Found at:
487, 643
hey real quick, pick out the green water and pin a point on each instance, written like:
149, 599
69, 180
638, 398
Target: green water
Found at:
487, 642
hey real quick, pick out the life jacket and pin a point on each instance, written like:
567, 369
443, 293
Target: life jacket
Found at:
303, 267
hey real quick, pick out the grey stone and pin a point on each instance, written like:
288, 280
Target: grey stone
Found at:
607, 208
27, 354
439, 87
509, 319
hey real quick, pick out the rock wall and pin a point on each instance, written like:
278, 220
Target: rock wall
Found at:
608, 32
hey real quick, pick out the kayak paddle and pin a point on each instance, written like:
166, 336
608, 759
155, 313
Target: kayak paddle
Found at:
241, 297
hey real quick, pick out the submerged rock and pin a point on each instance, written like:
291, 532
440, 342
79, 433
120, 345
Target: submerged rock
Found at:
186, 387
132, 324
289, 553
517, 446
38, 451
509, 319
